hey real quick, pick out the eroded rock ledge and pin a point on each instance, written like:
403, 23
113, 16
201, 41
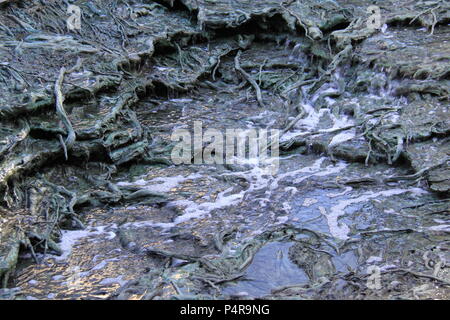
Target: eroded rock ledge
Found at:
171, 48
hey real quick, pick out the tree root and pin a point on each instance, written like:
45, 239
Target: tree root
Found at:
420, 174
249, 79
294, 122
419, 275
70, 140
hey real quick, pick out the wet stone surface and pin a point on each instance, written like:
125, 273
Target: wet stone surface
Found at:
358, 208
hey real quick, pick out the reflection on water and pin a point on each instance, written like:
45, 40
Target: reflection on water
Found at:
270, 269
206, 201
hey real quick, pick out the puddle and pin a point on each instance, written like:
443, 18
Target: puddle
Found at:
344, 199
271, 268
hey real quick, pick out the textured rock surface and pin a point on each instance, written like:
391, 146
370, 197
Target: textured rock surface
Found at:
137, 70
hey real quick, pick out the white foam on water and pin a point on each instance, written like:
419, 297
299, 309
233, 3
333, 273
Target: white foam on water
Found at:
147, 223
118, 280
342, 137
341, 122
161, 184
388, 267
266, 114
292, 190
330, 101
373, 259
312, 119
442, 227
111, 235
68, 240
334, 195
314, 170
393, 117
282, 220
180, 100
257, 178
323, 91
305, 126
194, 210
332, 169
315, 167
340, 230
71, 237
224, 199
103, 264
309, 202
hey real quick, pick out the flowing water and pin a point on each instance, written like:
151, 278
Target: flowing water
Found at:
357, 207
342, 229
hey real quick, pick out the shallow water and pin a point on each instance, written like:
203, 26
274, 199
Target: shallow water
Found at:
204, 200
270, 269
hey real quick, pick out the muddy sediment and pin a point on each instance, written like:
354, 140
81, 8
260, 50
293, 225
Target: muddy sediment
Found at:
92, 205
